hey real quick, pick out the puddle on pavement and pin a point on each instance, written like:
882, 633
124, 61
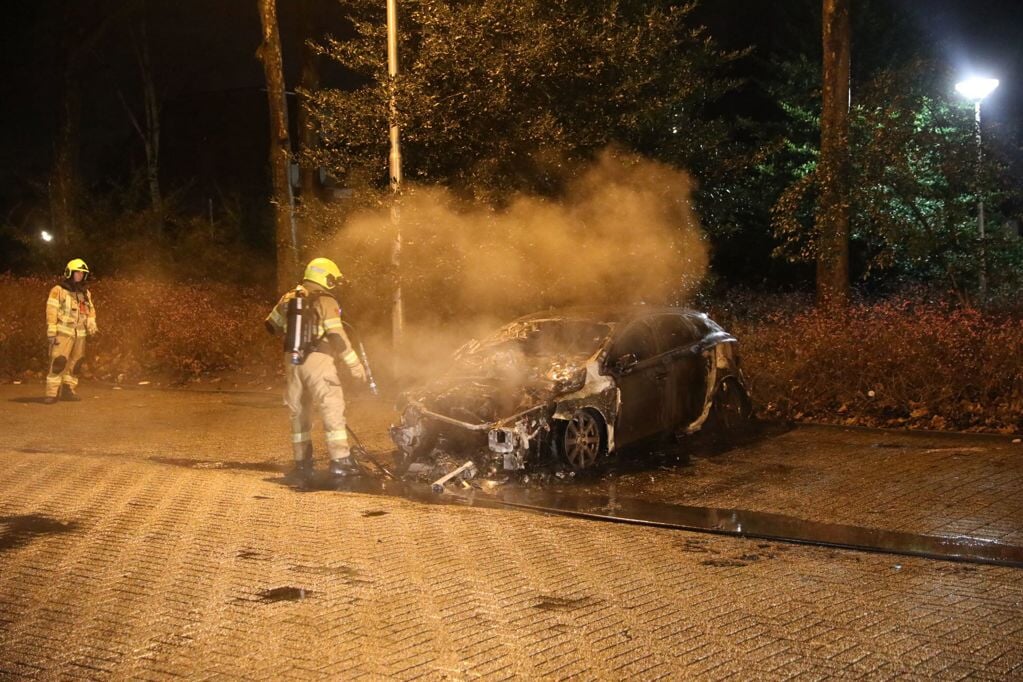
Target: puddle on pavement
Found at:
321, 481
734, 522
16, 531
767, 526
584, 500
227, 466
279, 594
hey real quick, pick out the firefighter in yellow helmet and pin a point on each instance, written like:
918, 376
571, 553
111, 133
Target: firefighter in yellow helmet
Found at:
311, 375
70, 317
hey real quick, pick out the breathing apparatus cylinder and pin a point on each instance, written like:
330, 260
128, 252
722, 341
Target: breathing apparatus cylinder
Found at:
297, 331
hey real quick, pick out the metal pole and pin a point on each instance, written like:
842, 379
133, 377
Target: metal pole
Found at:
980, 206
397, 311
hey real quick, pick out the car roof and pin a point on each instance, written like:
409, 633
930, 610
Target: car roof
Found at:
615, 315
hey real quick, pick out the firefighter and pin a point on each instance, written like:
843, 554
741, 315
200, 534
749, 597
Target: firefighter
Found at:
314, 380
70, 317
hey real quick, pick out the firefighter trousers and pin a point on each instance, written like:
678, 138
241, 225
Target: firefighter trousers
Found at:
315, 383
65, 355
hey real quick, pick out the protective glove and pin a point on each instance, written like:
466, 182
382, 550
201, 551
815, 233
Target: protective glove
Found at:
359, 372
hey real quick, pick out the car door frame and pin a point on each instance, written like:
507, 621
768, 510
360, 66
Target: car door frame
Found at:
687, 367
642, 407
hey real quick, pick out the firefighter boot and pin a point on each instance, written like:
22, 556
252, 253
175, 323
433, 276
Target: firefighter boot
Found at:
344, 467
67, 393
301, 472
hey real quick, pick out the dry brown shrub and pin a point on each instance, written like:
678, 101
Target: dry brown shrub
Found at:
898, 362
904, 362
148, 329
22, 324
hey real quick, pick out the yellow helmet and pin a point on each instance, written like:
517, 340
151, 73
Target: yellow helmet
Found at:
324, 272
76, 265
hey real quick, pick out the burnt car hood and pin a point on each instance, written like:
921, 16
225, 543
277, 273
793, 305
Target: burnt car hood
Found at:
485, 390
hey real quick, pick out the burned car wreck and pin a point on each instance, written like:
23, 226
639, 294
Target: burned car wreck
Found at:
572, 387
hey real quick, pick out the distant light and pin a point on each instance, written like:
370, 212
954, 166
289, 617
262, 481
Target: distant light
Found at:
46, 236
976, 89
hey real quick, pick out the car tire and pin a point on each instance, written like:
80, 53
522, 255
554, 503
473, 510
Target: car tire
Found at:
731, 413
582, 440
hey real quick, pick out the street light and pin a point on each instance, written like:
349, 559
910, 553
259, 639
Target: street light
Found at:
394, 164
976, 89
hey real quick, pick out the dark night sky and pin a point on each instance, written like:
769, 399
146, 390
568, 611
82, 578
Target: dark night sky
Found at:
203, 54
215, 112
982, 37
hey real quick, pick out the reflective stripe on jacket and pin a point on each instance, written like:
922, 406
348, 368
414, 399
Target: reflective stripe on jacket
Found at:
70, 313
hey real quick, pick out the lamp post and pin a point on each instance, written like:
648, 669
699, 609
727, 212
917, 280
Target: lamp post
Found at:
976, 89
394, 163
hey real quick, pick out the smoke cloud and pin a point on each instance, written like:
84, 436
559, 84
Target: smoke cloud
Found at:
623, 232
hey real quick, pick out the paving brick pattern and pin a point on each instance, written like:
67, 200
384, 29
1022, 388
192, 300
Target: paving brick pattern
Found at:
155, 550
912, 482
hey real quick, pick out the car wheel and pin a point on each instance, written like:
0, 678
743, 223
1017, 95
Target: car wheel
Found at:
582, 440
731, 411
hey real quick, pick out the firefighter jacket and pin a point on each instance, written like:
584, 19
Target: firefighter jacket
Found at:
328, 333
70, 311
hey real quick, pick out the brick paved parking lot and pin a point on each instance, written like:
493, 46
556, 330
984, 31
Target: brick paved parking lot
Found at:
149, 535
915, 482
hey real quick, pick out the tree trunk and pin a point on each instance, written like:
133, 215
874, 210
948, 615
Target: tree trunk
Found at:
64, 181
64, 177
832, 219
286, 237
151, 138
149, 128
310, 82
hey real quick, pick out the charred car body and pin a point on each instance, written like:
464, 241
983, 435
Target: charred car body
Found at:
575, 385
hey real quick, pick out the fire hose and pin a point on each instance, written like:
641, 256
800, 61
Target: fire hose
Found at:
466, 471
364, 454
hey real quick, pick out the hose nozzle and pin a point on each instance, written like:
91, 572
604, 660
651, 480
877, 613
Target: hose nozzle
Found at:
369, 372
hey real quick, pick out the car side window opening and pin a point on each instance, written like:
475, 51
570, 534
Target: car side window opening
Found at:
674, 331
638, 340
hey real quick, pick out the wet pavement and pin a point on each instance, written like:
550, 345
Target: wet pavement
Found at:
161, 539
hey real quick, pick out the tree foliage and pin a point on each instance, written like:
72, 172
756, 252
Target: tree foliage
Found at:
495, 97
914, 183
